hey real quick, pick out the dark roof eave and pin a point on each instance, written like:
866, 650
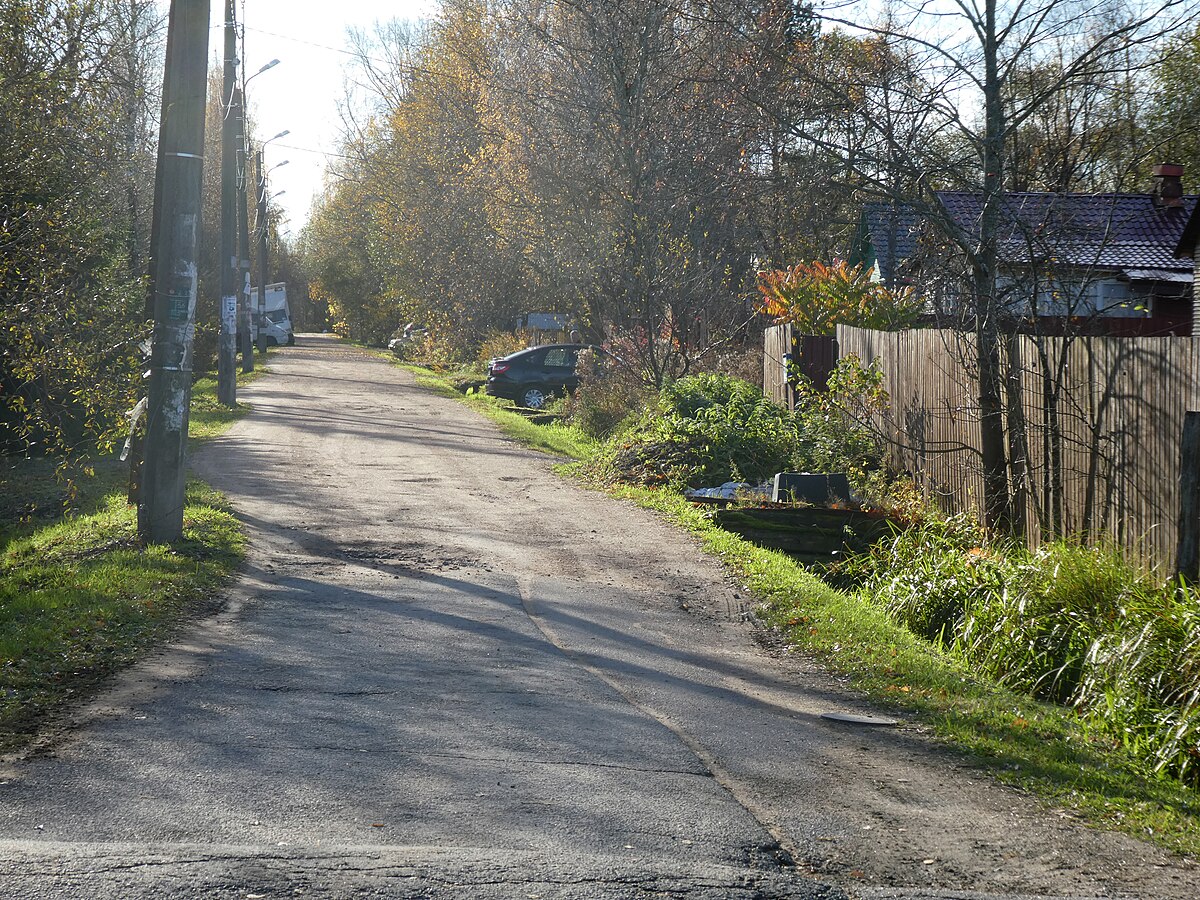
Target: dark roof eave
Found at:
1190, 236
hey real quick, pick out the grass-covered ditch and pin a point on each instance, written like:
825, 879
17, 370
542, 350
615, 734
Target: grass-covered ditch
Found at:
79, 597
1066, 670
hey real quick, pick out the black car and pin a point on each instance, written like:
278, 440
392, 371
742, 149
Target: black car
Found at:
531, 377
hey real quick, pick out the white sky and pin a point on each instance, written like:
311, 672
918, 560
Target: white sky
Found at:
302, 92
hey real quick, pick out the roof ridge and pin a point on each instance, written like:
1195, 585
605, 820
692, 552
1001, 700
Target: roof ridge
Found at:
1131, 194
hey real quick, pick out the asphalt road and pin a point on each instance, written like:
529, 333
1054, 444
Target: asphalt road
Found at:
448, 672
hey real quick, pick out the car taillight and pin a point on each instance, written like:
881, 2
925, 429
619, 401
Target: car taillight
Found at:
498, 367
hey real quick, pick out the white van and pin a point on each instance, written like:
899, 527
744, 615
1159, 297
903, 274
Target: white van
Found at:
277, 329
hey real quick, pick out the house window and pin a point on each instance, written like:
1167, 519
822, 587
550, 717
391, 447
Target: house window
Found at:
1111, 297
1115, 298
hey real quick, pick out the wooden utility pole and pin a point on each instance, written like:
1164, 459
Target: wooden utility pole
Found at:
173, 271
227, 336
246, 347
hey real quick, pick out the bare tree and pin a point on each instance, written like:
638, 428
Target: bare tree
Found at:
975, 58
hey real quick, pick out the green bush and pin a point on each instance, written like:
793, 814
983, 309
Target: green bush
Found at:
709, 429
705, 430
835, 426
1066, 623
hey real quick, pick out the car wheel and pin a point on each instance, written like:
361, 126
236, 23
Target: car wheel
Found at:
534, 398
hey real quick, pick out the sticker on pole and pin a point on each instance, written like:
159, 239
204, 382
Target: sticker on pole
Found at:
228, 313
179, 299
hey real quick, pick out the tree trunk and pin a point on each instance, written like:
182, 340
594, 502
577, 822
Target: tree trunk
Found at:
997, 502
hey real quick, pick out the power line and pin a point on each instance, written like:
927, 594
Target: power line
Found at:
311, 150
296, 40
408, 67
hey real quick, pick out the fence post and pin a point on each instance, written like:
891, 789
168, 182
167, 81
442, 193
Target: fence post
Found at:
1187, 564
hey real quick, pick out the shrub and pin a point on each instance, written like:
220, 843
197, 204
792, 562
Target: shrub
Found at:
835, 426
1066, 623
437, 344
608, 396
496, 344
706, 429
372, 320
204, 348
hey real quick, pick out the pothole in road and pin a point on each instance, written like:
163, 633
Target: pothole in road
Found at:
406, 559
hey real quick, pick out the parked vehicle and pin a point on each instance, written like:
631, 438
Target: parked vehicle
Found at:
276, 328
532, 377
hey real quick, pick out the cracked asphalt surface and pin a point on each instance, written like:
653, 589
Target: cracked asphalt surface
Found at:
448, 673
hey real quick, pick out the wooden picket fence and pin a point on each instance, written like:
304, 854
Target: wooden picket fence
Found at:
1103, 419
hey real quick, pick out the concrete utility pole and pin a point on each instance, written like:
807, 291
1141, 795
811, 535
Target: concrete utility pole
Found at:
227, 336
173, 271
261, 221
247, 345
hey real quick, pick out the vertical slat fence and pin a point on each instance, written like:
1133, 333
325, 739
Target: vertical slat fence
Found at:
1103, 422
777, 359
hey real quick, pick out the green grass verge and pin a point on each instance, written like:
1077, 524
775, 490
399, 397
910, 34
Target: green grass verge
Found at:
79, 598
208, 417
1040, 747
560, 440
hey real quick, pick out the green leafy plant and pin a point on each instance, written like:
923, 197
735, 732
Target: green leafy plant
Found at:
834, 426
1071, 624
928, 577
705, 429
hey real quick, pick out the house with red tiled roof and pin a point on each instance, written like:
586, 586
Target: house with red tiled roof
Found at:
1101, 263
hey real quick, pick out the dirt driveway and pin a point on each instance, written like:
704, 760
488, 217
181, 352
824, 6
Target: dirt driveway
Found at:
449, 673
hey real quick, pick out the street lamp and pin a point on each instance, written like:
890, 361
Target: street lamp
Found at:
272, 64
